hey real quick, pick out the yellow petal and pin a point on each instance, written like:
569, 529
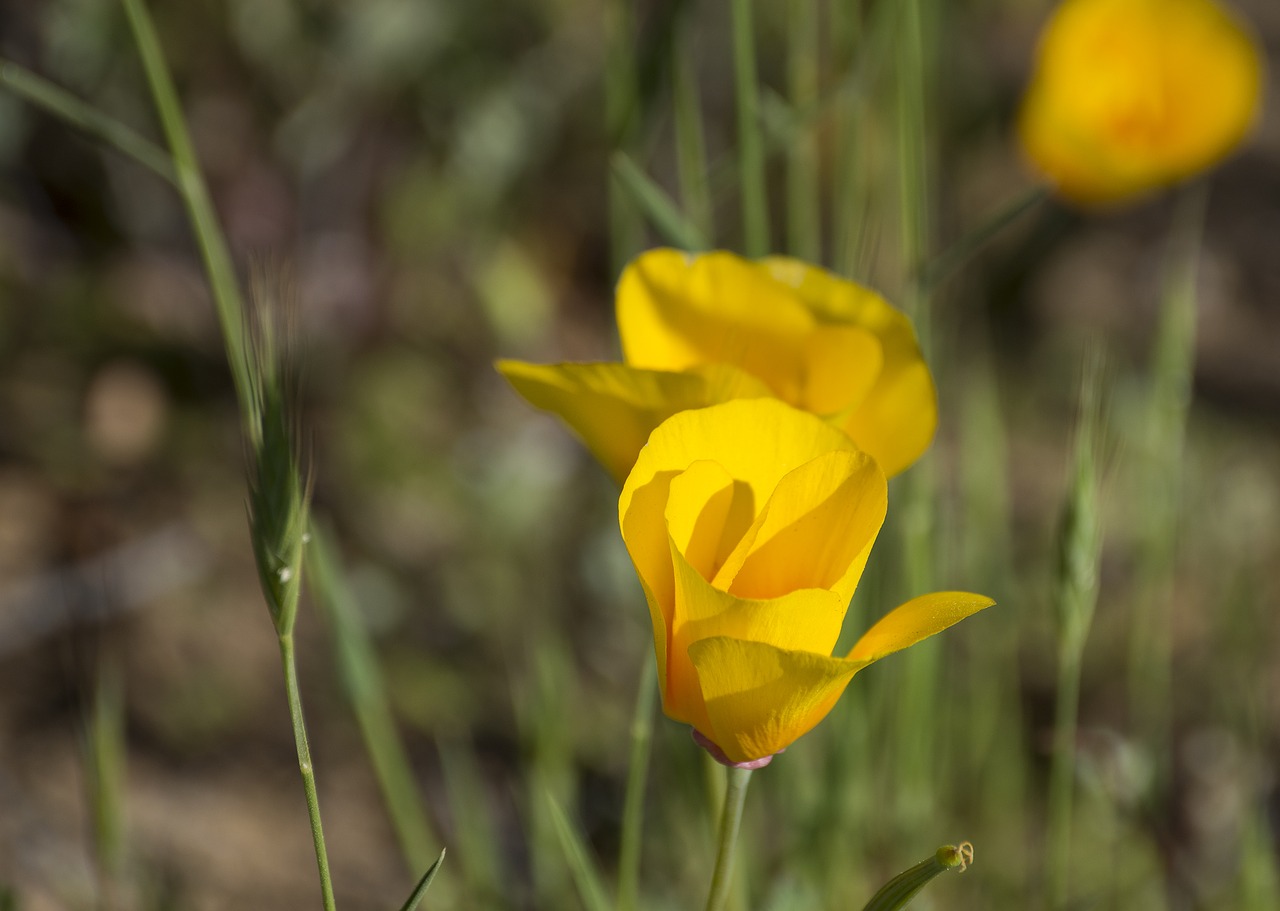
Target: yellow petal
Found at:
842, 364
677, 309
816, 530
897, 416
918, 619
613, 407
760, 698
808, 620
707, 513
757, 441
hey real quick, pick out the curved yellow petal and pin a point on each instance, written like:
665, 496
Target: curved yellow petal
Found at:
757, 441
678, 309
644, 531
613, 407
807, 619
759, 698
897, 416
841, 366
707, 513
815, 531
918, 619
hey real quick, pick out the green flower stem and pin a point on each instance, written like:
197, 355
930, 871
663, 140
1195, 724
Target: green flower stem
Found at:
190, 183
804, 43
637, 777
294, 696
730, 821
755, 214
1062, 775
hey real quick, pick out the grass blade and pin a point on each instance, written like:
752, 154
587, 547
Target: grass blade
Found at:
804, 228
751, 175
637, 778
423, 885
691, 151
657, 205
191, 185
365, 688
60, 103
585, 875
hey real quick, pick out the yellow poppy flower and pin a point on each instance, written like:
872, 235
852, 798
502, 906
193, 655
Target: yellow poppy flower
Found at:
1132, 95
702, 329
749, 524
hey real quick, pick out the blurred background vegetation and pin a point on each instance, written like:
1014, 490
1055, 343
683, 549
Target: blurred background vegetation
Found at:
432, 181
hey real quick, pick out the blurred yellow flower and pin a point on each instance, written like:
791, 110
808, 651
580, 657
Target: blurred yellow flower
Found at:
1132, 95
750, 524
702, 329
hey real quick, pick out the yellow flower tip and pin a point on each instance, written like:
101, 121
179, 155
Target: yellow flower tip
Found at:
816, 341
1128, 96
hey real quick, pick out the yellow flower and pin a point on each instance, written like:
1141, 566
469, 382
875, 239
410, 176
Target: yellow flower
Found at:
704, 329
749, 524
1133, 95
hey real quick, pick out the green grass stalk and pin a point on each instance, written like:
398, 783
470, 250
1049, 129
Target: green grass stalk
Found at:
1075, 596
660, 209
915, 731
1172, 376
735, 796
57, 101
589, 882
622, 118
690, 142
473, 825
367, 692
637, 779
751, 172
305, 766
105, 760
804, 40
942, 266
195, 195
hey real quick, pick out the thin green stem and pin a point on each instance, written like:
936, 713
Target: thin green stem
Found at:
633, 803
945, 264
362, 678
1062, 774
294, 695
730, 822
67, 107
622, 118
1171, 389
195, 195
691, 150
755, 213
804, 228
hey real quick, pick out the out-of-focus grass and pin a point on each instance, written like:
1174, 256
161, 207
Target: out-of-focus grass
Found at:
437, 175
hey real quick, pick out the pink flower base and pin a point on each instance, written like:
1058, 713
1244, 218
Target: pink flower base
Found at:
718, 754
